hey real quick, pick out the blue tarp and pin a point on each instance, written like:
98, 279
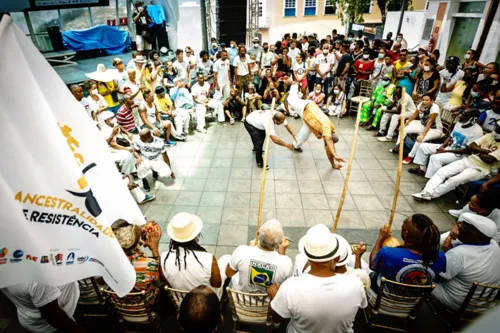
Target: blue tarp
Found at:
111, 39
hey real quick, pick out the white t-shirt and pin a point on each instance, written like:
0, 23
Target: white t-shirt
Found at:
450, 79
193, 62
491, 120
324, 62
150, 113
305, 46
94, 105
87, 106
194, 275
222, 70
201, 92
295, 102
242, 65
150, 150
311, 63
292, 53
182, 69
466, 264
462, 137
258, 269
320, 305
266, 58
29, 296
134, 87
423, 116
121, 78
300, 68
260, 119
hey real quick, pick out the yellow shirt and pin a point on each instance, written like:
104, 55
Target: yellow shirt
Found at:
487, 142
163, 104
145, 82
102, 90
457, 93
317, 121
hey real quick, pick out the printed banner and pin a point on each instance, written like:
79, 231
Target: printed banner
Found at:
60, 190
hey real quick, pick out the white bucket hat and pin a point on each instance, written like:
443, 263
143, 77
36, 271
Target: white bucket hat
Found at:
184, 227
485, 225
319, 244
105, 115
101, 74
140, 59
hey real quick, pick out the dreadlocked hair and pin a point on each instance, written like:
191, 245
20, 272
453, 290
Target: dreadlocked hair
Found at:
429, 239
190, 246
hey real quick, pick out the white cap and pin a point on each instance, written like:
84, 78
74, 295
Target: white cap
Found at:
486, 226
105, 115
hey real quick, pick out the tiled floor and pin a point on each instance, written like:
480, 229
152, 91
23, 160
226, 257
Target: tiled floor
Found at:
217, 179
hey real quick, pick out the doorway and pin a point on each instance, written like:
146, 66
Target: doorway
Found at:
463, 35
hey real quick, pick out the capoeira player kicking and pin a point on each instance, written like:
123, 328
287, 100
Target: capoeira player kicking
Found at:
315, 121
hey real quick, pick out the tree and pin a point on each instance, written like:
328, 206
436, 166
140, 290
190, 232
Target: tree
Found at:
351, 9
392, 5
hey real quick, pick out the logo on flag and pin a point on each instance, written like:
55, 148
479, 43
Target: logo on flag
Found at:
44, 260
261, 274
70, 259
59, 259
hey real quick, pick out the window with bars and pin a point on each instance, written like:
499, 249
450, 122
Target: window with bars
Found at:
330, 7
290, 7
309, 7
260, 8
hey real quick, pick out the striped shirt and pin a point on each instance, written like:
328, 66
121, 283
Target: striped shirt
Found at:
125, 118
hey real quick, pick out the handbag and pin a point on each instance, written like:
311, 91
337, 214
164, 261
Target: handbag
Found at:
114, 96
122, 142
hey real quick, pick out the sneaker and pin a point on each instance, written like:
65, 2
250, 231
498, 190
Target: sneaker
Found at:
296, 116
385, 139
201, 130
422, 196
170, 143
148, 198
243, 119
371, 128
331, 114
394, 150
298, 149
260, 165
407, 160
456, 212
231, 121
378, 134
179, 137
417, 171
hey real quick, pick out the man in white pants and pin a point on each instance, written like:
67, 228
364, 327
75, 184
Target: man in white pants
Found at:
153, 157
201, 96
183, 105
222, 80
464, 132
393, 113
139, 196
468, 169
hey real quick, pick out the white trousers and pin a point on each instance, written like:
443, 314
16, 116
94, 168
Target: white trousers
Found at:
125, 159
416, 127
395, 119
137, 193
427, 153
159, 165
303, 135
454, 174
181, 120
201, 111
223, 93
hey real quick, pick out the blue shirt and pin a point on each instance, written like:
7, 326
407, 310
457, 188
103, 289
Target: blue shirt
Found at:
402, 265
232, 54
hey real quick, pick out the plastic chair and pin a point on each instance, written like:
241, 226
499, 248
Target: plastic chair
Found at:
176, 296
398, 300
252, 309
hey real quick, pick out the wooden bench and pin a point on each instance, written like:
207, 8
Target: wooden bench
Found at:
61, 58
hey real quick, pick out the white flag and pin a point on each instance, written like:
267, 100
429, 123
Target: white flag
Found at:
59, 188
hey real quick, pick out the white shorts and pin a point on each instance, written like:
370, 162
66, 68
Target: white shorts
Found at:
142, 44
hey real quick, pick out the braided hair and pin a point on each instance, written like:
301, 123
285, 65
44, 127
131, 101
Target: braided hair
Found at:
190, 246
429, 237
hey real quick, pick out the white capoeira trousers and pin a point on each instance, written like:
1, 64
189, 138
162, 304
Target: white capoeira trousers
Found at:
181, 120
393, 119
125, 159
158, 165
201, 111
427, 153
416, 127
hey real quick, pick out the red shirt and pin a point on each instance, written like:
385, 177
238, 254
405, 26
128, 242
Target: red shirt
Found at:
363, 66
394, 55
125, 118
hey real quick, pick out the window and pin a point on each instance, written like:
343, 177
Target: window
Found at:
472, 7
290, 9
101, 15
260, 8
309, 7
330, 7
20, 21
366, 8
43, 19
76, 18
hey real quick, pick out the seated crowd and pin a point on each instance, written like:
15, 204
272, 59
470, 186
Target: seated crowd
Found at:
147, 105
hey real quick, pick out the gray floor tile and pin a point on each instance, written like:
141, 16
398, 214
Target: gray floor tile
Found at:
180, 208
443, 221
166, 197
193, 184
423, 206
283, 163
291, 217
267, 214
356, 175
307, 174
209, 234
222, 250
402, 204
158, 212
228, 153
213, 199
235, 216
269, 185
378, 176
360, 188
238, 200
348, 220
369, 164
288, 200
241, 173
284, 174
269, 200
330, 174
221, 162
219, 173
210, 214
198, 172
239, 185
232, 235
294, 234
304, 164
368, 202
407, 188
318, 216
374, 219
286, 186
175, 186
188, 198
334, 200
333, 186
383, 188
311, 186
314, 201
216, 185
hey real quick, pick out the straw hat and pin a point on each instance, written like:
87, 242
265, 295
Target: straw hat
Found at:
344, 251
101, 74
319, 244
140, 59
184, 227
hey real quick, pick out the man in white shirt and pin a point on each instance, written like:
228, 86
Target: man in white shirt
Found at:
304, 43
260, 266
477, 259
154, 157
324, 65
77, 91
393, 113
266, 57
242, 69
184, 105
221, 71
293, 51
449, 78
201, 96
181, 66
258, 123
133, 88
193, 62
42, 308
320, 301
121, 75
255, 49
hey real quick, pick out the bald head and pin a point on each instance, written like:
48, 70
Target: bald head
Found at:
200, 311
131, 74
397, 46
145, 135
279, 118
77, 91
